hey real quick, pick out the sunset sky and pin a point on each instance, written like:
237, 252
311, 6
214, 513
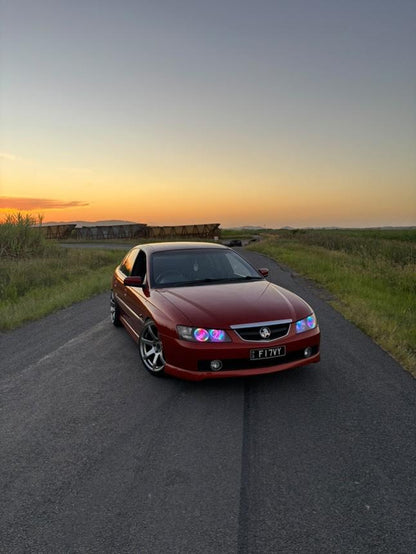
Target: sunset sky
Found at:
241, 112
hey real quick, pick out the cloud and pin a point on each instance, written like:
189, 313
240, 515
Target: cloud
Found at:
13, 203
83, 170
7, 156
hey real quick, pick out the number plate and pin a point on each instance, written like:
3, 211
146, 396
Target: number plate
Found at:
267, 353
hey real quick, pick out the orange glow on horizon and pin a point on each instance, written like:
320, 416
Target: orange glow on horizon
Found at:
275, 198
230, 211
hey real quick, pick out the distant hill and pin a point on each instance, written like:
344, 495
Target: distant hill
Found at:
246, 228
92, 223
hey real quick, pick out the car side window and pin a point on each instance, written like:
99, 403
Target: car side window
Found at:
139, 267
126, 265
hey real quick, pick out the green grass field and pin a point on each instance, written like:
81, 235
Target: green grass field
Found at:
38, 276
370, 273
34, 287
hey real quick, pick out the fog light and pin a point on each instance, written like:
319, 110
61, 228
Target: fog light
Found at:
307, 352
215, 365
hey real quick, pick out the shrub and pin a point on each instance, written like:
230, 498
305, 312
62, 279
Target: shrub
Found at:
22, 237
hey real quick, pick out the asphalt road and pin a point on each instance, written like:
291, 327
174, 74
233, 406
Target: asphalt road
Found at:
97, 456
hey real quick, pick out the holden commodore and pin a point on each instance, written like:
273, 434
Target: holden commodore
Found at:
200, 310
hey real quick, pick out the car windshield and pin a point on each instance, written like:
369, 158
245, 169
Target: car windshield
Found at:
176, 268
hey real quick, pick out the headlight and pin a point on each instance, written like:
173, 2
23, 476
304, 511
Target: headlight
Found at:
306, 324
199, 334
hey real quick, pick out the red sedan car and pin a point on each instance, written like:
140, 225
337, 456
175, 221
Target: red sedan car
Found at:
199, 310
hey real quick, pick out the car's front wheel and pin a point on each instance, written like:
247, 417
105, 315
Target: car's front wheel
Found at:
114, 311
151, 349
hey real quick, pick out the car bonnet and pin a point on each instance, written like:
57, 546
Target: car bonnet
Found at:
223, 305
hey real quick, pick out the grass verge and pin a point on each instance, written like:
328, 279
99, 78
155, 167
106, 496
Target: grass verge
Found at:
31, 288
373, 280
38, 277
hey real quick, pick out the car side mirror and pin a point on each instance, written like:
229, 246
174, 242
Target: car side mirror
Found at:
133, 281
263, 271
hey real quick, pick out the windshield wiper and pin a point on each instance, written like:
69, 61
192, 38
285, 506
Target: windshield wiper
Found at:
206, 281
246, 278
212, 281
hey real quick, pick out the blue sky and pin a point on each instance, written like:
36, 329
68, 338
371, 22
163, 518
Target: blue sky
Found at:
274, 113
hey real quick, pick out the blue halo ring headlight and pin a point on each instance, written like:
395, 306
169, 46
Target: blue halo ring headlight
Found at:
311, 322
201, 334
306, 324
217, 335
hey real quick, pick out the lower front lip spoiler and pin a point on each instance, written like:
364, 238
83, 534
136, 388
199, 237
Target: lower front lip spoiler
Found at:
222, 374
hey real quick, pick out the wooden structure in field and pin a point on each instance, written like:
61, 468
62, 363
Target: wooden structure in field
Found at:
204, 231
131, 231
104, 232
58, 232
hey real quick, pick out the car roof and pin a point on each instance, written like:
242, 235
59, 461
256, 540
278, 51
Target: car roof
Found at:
182, 245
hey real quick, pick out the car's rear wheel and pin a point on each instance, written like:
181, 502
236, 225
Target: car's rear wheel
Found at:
114, 311
151, 349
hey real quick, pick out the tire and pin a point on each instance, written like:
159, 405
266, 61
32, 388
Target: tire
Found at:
114, 311
151, 349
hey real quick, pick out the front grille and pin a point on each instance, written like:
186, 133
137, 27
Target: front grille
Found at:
244, 363
252, 334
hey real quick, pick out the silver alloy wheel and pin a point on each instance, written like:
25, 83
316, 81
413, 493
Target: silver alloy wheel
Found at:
151, 349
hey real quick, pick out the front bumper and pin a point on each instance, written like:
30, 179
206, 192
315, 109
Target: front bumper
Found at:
191, 361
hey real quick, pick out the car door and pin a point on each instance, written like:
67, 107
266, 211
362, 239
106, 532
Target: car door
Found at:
120, 291
135, 296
